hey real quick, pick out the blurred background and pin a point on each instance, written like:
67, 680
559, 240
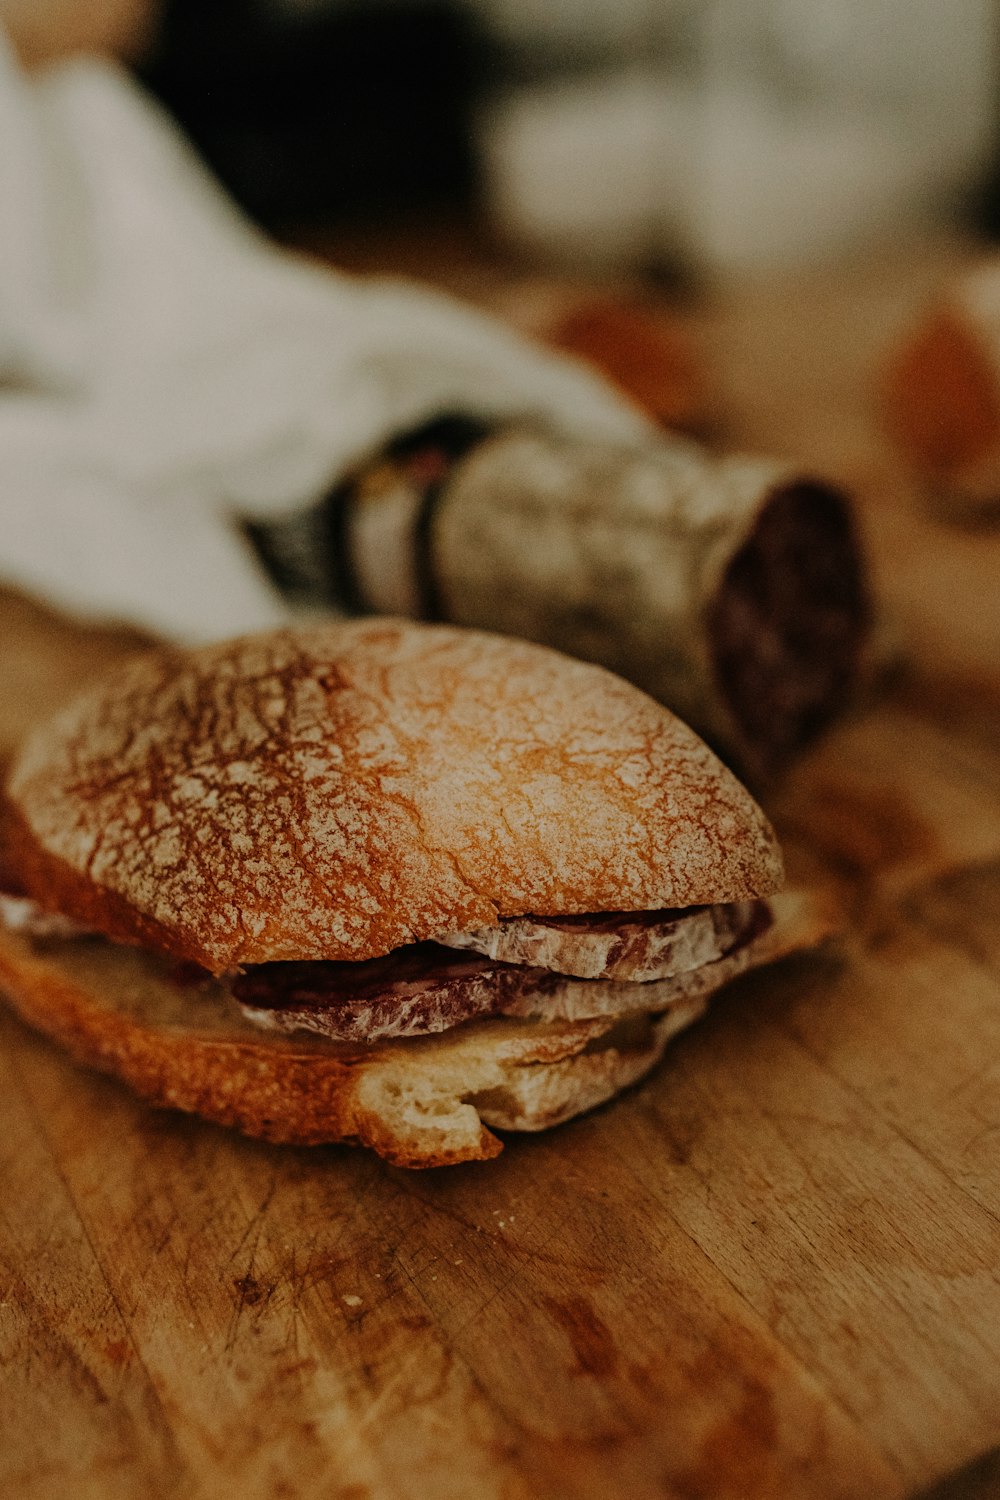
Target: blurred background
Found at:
650, 135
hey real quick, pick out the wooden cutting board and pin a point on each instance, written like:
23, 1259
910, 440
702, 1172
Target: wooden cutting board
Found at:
769, 1271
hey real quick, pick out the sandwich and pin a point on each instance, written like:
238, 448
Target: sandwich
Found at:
379, 882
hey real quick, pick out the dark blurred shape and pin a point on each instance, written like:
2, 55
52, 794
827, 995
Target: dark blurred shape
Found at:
309, 555
978, 1480
984, 206
330, 115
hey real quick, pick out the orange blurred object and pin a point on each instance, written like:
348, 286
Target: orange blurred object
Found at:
649, 356
942, 401
43, 30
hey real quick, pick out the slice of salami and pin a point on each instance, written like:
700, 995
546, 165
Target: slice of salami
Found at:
410, 992
426, 988
640, 946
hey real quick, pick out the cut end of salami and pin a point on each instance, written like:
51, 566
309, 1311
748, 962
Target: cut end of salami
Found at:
788, 623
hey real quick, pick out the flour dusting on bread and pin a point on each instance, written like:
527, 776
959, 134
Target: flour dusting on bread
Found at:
339, 791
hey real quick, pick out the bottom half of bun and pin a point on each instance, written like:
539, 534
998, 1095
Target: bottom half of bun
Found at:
417, 1101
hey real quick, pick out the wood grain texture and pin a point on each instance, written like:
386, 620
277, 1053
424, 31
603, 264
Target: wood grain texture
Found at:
770, 1271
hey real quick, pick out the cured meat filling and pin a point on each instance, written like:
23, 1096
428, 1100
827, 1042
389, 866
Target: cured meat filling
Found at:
427, 987
640, 945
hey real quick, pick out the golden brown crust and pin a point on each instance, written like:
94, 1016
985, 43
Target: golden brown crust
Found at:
340, 790
419, 1103
112, 1009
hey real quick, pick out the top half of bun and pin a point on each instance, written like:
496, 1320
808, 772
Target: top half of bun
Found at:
335, 791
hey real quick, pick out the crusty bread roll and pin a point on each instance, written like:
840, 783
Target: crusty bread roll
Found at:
333, 793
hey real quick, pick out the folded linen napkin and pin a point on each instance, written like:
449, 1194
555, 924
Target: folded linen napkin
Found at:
165, 369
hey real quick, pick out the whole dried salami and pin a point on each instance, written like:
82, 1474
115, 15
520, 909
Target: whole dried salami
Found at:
732, 589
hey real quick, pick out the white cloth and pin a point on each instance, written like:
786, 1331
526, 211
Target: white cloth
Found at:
164, 368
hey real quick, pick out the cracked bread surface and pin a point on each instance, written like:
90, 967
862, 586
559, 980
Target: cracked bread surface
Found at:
336, 791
